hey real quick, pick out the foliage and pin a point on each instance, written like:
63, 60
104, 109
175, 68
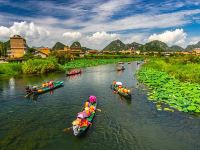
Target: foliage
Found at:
166, 89
4, 47
37, 66
62, 58
10, 69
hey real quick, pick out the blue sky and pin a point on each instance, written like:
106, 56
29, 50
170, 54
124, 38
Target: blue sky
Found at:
97, 22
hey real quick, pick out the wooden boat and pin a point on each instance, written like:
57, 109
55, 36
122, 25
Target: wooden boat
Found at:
74, 72
81, 130
40, 90
120, 62
125, 95
129, 62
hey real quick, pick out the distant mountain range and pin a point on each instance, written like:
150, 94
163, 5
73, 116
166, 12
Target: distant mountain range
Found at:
118, 45
155, 45
75, 45
191, 47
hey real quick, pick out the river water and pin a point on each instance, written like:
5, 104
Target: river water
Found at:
27, 124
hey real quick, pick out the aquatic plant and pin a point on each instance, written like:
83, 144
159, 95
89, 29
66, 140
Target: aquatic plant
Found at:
81, 63
183, 96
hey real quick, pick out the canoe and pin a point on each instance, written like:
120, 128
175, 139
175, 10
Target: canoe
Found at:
74, 73
41, 90
120, 62
129, 62
81, 130
125, 95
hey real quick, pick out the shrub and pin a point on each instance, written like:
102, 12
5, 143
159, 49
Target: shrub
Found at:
37, 66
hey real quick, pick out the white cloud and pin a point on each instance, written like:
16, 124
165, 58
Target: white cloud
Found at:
194, 40
176, 37
100, 39
33, 33
27, 30
102, 36
4, 31
72, 35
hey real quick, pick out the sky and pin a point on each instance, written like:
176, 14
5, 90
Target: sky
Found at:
95, 23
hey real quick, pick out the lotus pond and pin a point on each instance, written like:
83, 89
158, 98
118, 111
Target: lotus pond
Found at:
165, 89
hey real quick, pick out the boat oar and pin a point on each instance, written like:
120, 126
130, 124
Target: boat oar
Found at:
67, 129
27, 95
98, 110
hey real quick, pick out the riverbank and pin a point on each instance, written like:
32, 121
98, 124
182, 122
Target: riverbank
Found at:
41, 66
165, 82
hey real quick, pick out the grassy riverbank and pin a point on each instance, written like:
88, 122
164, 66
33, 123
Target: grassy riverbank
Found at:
10, 69
183, 68
40, 66
166, 80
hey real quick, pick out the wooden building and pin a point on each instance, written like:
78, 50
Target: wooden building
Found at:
18, 46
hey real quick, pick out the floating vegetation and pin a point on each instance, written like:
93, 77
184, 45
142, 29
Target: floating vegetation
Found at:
183, 96
81, 63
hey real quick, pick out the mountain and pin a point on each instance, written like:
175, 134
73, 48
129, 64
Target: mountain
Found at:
76, 45
58, 46
85, 48
133, 45
176, 48
156, 46
116, 45
191, 47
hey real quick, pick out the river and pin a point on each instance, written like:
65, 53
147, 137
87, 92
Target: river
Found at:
27, 124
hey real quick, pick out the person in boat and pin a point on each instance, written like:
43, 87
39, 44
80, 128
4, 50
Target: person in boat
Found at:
28, 90
87, 104
35, 88
51, 84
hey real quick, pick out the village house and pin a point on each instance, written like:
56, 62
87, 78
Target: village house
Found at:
196, 51
45, 50
18, 47
71, 52
92, 52
40, 54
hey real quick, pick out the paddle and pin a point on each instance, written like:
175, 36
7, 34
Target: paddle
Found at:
67, 129
27, 95
98, 110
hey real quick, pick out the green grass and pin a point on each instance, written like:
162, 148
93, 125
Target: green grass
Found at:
81, 63
10, 69
182, 68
